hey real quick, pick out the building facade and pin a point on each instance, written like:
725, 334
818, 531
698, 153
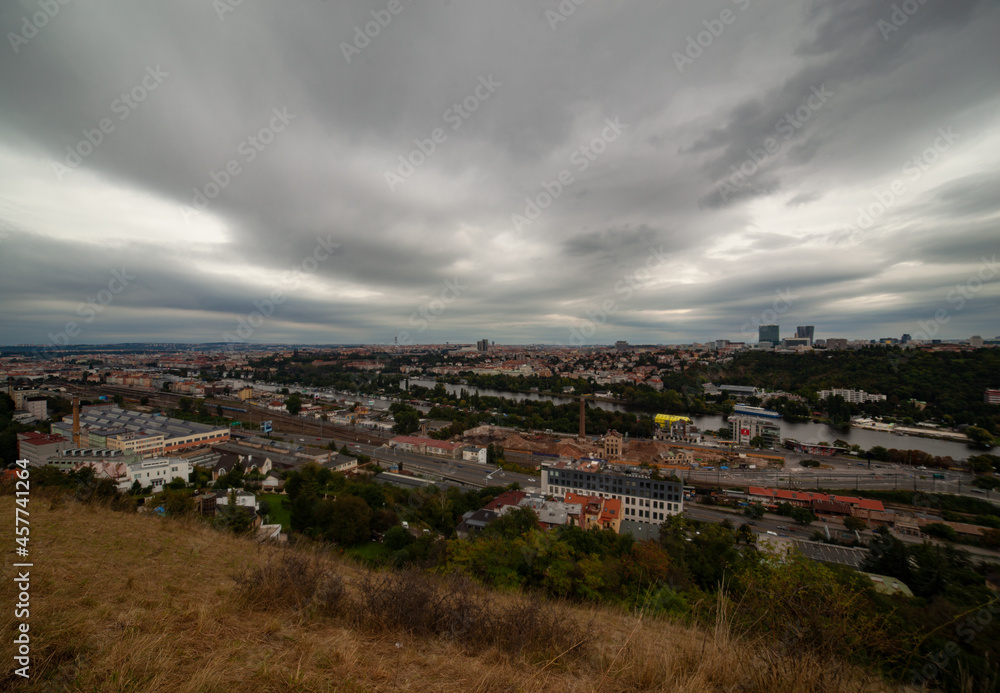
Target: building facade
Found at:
768, 333
745, 428
156, 472
38, 447
852, 396
642, 497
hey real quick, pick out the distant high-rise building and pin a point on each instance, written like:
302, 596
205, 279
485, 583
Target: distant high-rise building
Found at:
976, 341
483, 345
906, 339
621, 345
805, 332
768, 333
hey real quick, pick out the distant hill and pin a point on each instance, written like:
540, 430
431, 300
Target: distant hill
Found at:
125, 602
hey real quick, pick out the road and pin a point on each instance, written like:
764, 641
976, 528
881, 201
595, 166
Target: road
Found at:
777, 524
783, 526
879, 477
460, 471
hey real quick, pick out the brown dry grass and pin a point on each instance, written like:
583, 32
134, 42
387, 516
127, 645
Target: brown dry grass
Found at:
122, 602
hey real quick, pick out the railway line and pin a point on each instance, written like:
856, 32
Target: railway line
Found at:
281, 423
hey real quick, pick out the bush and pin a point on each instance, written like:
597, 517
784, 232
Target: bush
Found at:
288, 581
454, 608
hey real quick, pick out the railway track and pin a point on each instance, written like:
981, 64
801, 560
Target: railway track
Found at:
281, 423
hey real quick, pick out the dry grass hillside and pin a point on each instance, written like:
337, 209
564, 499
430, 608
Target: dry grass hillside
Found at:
122, 602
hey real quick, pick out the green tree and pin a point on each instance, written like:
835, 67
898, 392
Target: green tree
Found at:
855, 524
803, 516
345, 521
177, 502
979, 437
981, 464
987, 482
396, 538
513, 524
745, 533
755, 511
293, 404
939, 530
407, 421
234, 518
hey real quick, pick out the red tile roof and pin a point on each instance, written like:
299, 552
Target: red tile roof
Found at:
809, 496
506, 498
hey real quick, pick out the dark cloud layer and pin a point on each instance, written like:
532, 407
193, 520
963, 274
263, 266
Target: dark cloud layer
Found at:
455, 176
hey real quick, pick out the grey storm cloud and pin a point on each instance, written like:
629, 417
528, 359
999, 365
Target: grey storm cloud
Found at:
211, 148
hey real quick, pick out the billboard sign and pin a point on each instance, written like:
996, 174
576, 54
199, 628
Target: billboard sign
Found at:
265, 426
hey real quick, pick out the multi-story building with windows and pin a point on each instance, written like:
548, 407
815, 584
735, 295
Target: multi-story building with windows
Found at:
156, 472
746, 428
852, 396
768, 333
642, 497
36, 447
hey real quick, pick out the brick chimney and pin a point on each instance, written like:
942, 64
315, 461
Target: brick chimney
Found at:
76, 422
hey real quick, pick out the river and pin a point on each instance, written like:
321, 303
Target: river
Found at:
805, 432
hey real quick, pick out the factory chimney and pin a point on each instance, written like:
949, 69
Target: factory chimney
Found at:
76, 422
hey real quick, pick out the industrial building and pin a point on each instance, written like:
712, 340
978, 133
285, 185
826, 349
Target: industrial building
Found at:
137, 432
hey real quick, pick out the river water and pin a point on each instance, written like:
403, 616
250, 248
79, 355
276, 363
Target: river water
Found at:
805, 432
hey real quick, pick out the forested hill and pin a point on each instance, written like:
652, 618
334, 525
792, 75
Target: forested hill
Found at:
949, 382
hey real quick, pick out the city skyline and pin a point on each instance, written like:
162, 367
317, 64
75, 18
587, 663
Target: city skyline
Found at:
563, 173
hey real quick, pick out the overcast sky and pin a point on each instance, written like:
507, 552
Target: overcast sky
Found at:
653, 171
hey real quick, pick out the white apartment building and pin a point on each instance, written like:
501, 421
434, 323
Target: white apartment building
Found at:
156, 472
852, 396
